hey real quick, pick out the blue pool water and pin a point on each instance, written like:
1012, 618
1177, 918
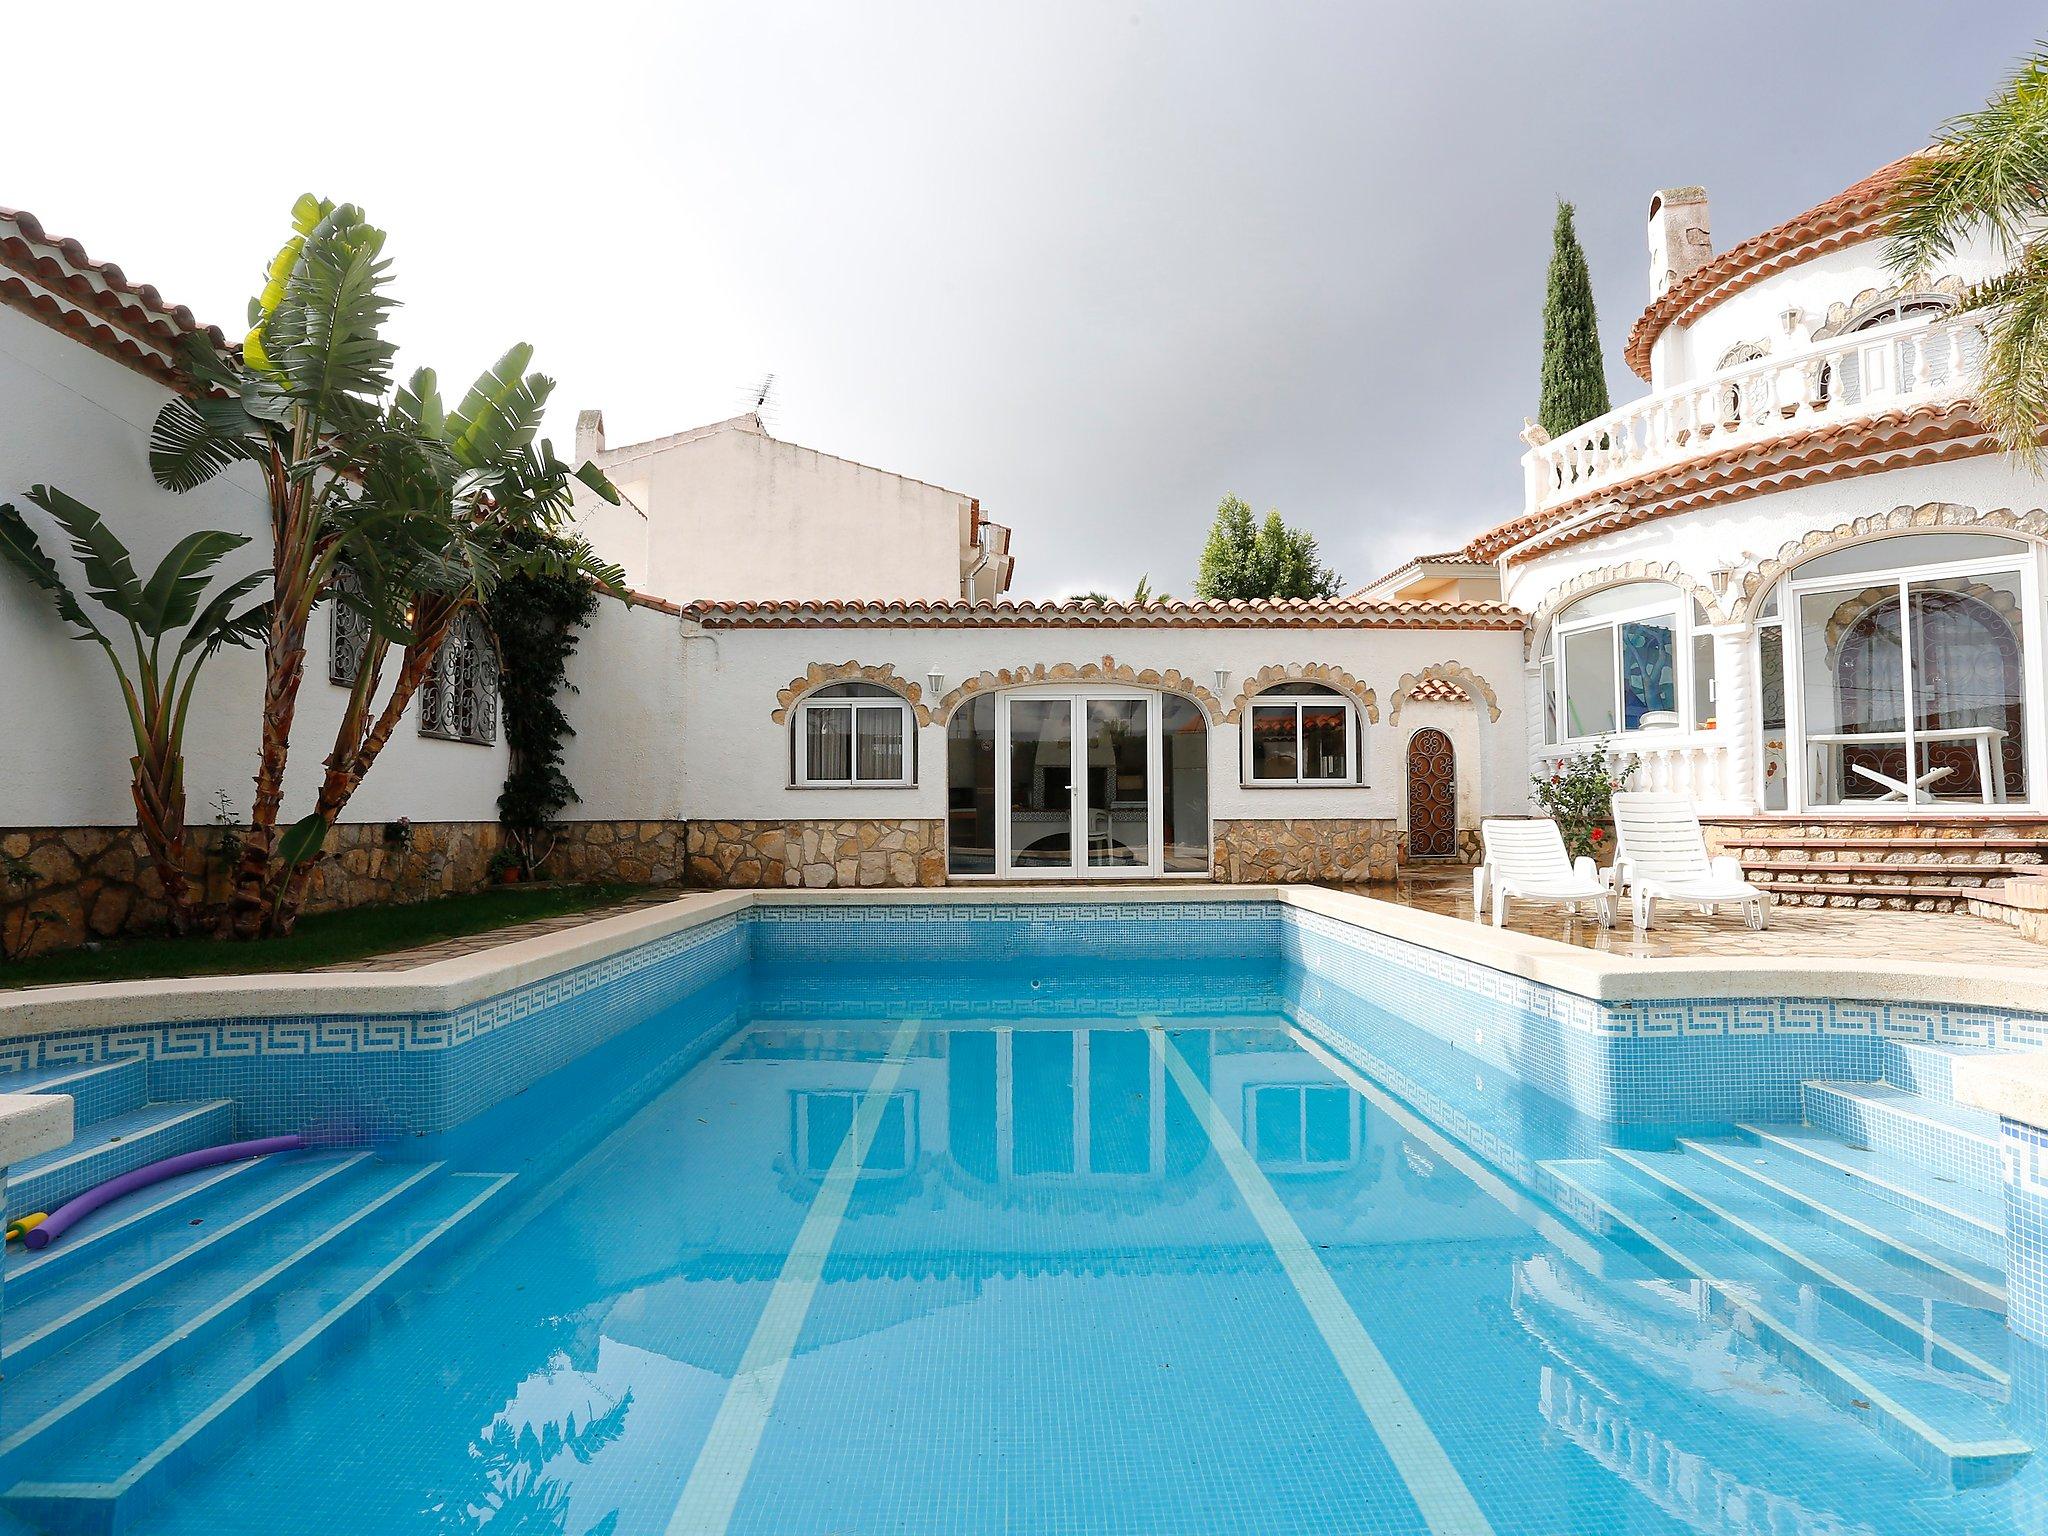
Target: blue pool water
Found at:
910, 1240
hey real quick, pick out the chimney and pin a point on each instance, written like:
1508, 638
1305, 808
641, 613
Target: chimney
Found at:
1681, 240
589, 435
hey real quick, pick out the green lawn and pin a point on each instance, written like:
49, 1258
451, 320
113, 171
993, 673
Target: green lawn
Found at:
327, 939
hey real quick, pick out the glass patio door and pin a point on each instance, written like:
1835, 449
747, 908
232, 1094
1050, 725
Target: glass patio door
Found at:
1078, 793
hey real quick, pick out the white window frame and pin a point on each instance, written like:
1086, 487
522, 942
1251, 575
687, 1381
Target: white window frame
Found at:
1678, 608
1354, 748
800, 753
1272, 1162
2034, 744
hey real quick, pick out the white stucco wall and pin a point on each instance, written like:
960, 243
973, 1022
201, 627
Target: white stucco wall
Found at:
625, 704
736, 758
80, 421
732, 513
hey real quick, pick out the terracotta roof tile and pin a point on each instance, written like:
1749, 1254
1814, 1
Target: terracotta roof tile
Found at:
1855, 213
1897, 439
1331, 613
1438, 690
52, 279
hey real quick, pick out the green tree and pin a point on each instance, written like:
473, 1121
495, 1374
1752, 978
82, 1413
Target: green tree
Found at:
1988, 170
1246, 560
1574, 376
173, 628
420, 502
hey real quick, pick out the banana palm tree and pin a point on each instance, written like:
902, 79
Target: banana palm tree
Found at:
1988, 170
170, 637
387, 482
462, 496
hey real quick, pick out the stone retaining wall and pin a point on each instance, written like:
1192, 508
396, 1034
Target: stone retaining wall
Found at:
97, 882
1352, 850
816, 854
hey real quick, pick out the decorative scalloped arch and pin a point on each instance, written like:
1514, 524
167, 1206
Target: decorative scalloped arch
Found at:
820, 674
1444, 671
1929, 514
1586, 582
1844, 314
1335, 678
1107, 670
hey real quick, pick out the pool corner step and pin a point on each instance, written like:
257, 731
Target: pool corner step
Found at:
115, 1145
96, 1465
1946, 1423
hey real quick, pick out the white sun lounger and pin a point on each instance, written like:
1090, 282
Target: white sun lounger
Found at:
1525, 861
1661, 855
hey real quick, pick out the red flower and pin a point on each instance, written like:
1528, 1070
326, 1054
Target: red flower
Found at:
1555, 779
1597, 834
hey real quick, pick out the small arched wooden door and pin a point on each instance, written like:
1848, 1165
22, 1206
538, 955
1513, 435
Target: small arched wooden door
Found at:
1432, 796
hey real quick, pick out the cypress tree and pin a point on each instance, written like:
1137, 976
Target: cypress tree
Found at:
1574, 377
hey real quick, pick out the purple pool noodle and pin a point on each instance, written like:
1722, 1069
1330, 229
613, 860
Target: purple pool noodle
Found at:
59, 1220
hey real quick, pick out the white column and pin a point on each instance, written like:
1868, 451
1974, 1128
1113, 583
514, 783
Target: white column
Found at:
1735, 708
1532, 715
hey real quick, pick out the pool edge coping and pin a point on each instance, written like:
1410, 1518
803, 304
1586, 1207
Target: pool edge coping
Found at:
444, 985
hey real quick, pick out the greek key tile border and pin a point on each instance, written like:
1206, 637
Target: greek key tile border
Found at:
687, 959
1670, 1018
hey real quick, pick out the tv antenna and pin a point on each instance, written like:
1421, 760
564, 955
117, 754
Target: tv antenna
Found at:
758, 395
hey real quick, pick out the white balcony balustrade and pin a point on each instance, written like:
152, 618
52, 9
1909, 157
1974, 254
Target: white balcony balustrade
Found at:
1699, 765
1848, 378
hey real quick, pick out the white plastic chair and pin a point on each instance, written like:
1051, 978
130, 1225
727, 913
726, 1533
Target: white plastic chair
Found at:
1661, 855
1525, 860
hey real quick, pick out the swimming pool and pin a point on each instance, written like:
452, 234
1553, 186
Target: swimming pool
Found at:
1208, 1220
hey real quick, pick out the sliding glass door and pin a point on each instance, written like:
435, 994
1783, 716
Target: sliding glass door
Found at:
1078, 785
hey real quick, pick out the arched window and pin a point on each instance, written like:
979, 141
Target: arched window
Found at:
1634, 657
1908, 662
1900, 306
1737, 356
348, 626
459, 698
1301, 733
852, 734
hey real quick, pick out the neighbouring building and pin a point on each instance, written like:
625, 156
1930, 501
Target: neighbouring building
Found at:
1794, 580
727, 511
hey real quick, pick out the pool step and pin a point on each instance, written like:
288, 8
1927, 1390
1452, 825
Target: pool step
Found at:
1846, 1206
1965, 1217
98, 1089
143, 1377
1947, 1141
118, 1275
1928, 1069
1948, 1320
113, 1145
1923, 1369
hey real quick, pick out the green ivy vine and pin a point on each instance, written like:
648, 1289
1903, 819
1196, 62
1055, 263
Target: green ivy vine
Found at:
536, 619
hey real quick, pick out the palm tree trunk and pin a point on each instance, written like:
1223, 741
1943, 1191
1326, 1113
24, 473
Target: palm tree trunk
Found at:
355, 751
284, 664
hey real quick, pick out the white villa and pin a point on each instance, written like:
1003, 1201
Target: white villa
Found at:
1795, 578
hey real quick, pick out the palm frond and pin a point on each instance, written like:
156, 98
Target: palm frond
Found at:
176, 585
194, 440
18, 544
502, 411
2012, 393
109, 572
598, 481
325, 339
1986, 168
217, 624
418, 405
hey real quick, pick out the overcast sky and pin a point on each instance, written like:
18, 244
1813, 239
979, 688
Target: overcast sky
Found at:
1095, 264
